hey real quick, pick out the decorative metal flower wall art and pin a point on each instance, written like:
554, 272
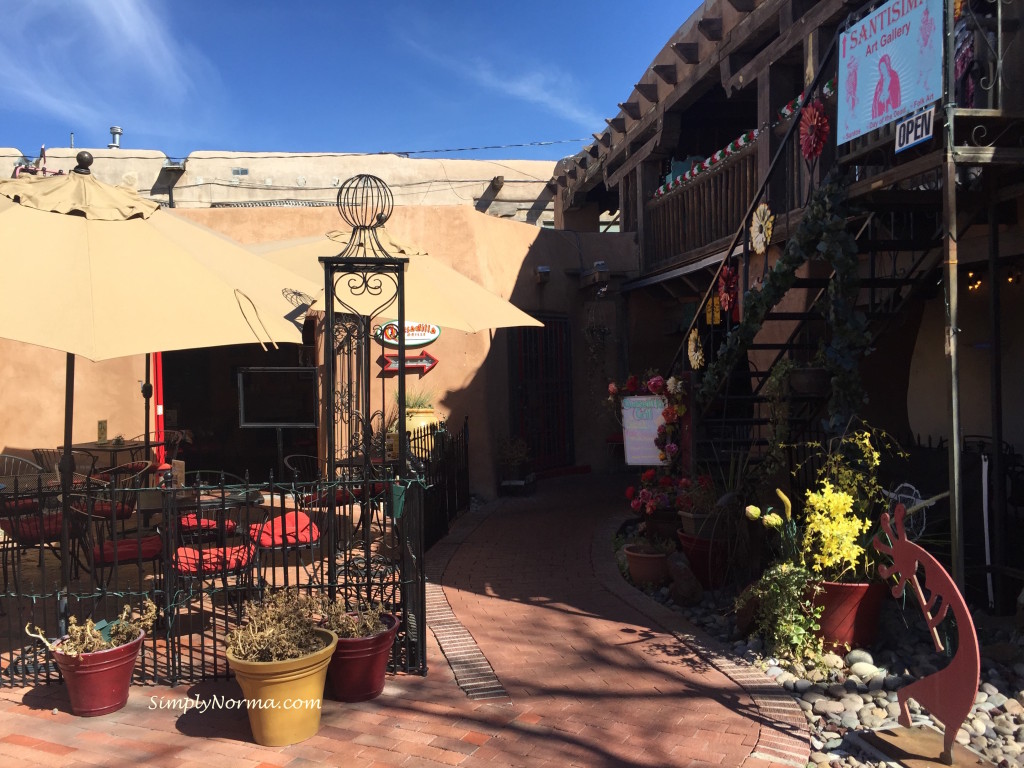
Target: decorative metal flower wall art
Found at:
761, 225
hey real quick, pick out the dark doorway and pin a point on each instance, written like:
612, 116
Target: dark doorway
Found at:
540, 392
201, 395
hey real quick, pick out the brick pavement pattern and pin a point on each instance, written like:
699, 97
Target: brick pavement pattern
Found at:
589, 672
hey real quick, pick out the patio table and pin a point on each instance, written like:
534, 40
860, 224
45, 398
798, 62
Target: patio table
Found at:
115, 450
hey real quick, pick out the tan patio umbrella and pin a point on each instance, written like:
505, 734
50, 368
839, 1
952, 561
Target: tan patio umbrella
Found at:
95, 270
434, 292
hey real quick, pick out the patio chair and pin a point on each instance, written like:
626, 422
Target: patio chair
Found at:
113, 501
24, 519
172, 440
49, 459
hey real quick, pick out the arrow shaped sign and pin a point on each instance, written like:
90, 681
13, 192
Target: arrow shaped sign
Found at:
423, 362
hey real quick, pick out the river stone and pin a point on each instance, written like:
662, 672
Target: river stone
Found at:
858, 656
814, 696
865, 670
828, 707
820, 758
962, 737
802, 686
774, 672
787, 679
892, 709
1013, 707
978, 726
836, 691
990, 689
877, 682
997, 700
849, 720
892, 682
852, 703
833, 660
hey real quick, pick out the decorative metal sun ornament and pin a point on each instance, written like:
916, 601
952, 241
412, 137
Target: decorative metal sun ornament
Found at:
814, 130
761, 225
695, 351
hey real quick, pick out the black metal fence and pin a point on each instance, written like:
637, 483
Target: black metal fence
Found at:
201, 551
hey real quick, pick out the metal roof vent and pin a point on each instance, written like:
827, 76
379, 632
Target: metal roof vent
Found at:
115, 137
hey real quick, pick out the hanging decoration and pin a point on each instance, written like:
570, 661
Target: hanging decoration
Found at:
761, 225
713, 311
728, 291
716, 159
695, 351
814, 130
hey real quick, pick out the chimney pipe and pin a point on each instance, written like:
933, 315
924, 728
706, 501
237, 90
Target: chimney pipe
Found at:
115, 137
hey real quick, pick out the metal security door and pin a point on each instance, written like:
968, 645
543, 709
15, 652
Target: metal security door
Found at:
540, 392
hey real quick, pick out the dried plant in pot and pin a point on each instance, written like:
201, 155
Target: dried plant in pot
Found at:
279, 656
97, 660
365, 638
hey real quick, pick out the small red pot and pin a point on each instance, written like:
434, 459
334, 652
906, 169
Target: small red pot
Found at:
851, 612
98, 682
359, 664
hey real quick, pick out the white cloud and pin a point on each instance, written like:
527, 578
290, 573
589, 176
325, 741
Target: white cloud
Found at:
548, 88
94, 63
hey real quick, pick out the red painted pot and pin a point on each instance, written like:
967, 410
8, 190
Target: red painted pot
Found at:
646, 566
359, 664
851, 612
98, 682
707, 558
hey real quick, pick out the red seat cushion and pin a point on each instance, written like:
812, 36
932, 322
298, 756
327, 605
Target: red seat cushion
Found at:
29, 530
105, 509
214, 560
289, 528
128, 550
19, 506
190, 523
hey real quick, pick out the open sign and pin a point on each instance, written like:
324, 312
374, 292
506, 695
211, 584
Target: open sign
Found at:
915, 129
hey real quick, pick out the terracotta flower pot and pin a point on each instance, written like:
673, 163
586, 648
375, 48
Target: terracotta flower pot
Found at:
646, 565
359, 664
698, 523
851, 612
289, 693
707, 558
98, 682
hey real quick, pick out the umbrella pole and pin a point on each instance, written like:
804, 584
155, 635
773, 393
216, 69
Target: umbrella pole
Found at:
147, 392
67, 467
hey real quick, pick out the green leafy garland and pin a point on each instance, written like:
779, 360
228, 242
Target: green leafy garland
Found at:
822, 234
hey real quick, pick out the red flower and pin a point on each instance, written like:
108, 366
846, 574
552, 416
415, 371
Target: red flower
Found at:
630, 493
670, 415
648, 476
684, 482
656, 385
665, 481
813, 130
632, 384
613, 389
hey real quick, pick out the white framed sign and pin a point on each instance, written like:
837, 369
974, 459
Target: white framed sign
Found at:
641, 417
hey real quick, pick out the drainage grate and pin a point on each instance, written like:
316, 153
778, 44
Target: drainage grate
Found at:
473, 672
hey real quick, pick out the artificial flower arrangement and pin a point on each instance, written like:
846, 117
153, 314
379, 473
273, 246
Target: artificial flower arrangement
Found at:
663, 487
827, 542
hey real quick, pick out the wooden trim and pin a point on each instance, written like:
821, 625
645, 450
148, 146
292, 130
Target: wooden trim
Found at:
743, 6
711, 28
900, 172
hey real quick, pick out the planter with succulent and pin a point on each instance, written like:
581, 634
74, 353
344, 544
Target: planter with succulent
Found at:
280, 657
97, 660
365, 638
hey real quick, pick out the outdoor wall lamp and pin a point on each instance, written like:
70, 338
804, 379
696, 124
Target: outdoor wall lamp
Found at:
542, 274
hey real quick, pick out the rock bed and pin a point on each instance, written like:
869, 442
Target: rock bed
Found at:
851, 693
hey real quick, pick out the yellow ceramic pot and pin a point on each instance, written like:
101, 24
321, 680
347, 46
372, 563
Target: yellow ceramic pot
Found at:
283, 698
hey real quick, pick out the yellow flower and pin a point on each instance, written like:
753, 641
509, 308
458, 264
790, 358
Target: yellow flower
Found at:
753, 512
831, 531
773, 520
785, 503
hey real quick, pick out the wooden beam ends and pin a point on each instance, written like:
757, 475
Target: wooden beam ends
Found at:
648, 91
688, 52
631, 108
617, 123
743, 6
666, 73
711, 28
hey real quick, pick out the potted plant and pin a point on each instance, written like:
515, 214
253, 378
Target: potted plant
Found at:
647, 560
97, 660
419, 409
513, 459
279, 655
359, 663
828, 544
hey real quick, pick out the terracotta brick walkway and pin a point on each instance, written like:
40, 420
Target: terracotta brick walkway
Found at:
595, 673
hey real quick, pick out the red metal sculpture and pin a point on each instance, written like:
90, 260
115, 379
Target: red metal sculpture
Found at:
949, 693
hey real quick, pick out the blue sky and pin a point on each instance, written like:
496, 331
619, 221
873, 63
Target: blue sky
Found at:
319, 76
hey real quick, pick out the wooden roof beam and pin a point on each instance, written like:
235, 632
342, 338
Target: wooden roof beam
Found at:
617, 123
711, 28
631, 108
603, 139
666, 73
648, 91
743, 6
688, 52
592, 150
